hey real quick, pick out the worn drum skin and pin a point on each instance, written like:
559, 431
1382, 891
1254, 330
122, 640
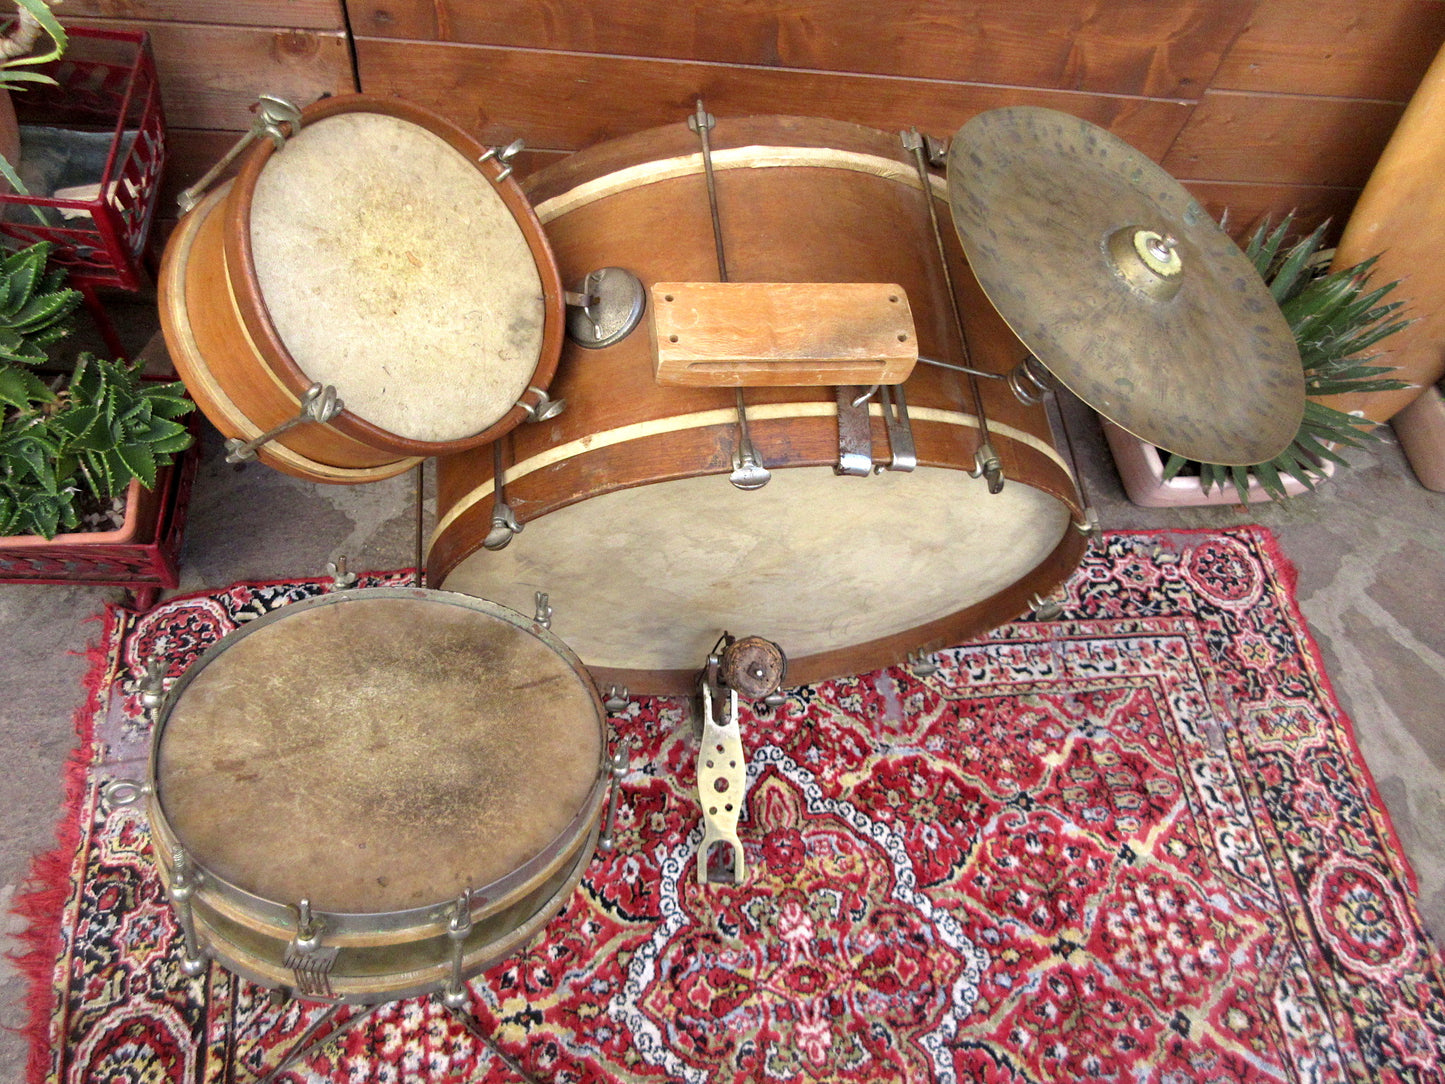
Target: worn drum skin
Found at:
630, 524
380, 754
379, 251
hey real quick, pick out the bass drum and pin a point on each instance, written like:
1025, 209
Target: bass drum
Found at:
629, 522
375, 794
383, 252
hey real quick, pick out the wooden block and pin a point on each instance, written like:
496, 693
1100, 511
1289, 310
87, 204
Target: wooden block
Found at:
781, 334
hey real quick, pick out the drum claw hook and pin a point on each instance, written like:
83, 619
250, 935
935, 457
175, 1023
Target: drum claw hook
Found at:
987, 465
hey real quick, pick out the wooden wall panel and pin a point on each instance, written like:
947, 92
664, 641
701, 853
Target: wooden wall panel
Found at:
1282, 139
1349, 50
314, 14
211, 75
565, 101
1159, 48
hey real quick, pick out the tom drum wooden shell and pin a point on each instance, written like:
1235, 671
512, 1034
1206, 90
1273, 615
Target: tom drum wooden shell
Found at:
379, 250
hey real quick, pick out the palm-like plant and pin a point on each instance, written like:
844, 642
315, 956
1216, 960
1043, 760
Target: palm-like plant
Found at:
1335, 317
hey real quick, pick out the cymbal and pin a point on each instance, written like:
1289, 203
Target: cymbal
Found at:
1123, 287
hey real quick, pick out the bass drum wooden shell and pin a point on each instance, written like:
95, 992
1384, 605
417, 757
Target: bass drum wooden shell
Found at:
381, 251
630, 524
381, 754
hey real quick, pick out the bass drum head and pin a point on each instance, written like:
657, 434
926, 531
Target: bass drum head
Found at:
378, 752
391, 267
646, 578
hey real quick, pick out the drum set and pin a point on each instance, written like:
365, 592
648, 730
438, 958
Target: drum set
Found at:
749, 401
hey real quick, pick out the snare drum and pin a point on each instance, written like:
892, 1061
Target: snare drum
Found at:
383, 252
375, 793
629, 521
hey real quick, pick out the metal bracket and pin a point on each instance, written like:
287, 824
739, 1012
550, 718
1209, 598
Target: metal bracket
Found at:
935, 151
545, 408
271, 113
318, 404
721, 783
605, 308
504, 522
987, 465
855, 433
616, 698
903, 456
748, 470
504, 157
306, 957
1029, 381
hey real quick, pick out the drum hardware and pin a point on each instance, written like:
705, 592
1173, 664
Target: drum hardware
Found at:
504, 522
616, 768
986, 461
271, 113
318, 404
545, 408
419, 541
1045, 609
721, 783
184, 883
605, 308
748, 470
341, 578
306, 957
504, 157
459, 928
1062, 221
855, 431
616, 698
924, 664
902, 454
1028, 380
543, 616
752, 666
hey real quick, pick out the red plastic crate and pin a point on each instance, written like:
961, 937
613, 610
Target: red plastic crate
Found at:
106, 83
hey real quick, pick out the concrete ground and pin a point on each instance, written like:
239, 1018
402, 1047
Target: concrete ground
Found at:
1369, 549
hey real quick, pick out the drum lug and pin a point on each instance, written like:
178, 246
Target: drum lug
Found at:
319, 404
748, 470
504, 522
617, 768
184, 882
459, 928
504, 158
306, 957
605, 307
271, 113
543, 615
1045, 609
616, 698
924, 664
987, 465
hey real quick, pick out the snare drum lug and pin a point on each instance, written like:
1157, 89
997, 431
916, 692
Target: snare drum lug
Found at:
318, 404
271, 113
459, 928
617, 768
543, 615
987, 465
184, 882
153, 685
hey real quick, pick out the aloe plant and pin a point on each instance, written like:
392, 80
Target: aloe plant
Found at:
1335, 316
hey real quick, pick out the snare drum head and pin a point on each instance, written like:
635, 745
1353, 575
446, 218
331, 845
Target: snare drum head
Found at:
391, 268
377, 753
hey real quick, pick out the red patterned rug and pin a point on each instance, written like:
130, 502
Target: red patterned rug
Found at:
1136, 843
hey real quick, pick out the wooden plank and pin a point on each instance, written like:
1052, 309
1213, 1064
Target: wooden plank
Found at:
1159, 48
1248, 205
780, 334
210, 76
311, 14
1377, 50
566, 101
1282, 139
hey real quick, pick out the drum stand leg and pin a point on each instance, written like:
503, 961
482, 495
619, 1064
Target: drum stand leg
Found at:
464, 1017
308, 1041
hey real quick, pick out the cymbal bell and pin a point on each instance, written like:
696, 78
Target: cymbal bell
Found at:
1123, 287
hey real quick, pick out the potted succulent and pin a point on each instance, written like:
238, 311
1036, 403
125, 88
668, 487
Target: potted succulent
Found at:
86, 452
1336, 316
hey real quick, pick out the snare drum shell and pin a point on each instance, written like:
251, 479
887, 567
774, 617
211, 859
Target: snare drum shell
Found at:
221, 329
800, 200
244, 790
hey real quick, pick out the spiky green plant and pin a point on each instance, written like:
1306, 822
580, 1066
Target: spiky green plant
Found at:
35, 313
1335, 317
106, 427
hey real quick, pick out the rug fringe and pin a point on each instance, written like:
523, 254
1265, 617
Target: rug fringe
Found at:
47, 886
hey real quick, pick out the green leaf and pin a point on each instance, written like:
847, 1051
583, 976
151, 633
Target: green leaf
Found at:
19, 388
139, 463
